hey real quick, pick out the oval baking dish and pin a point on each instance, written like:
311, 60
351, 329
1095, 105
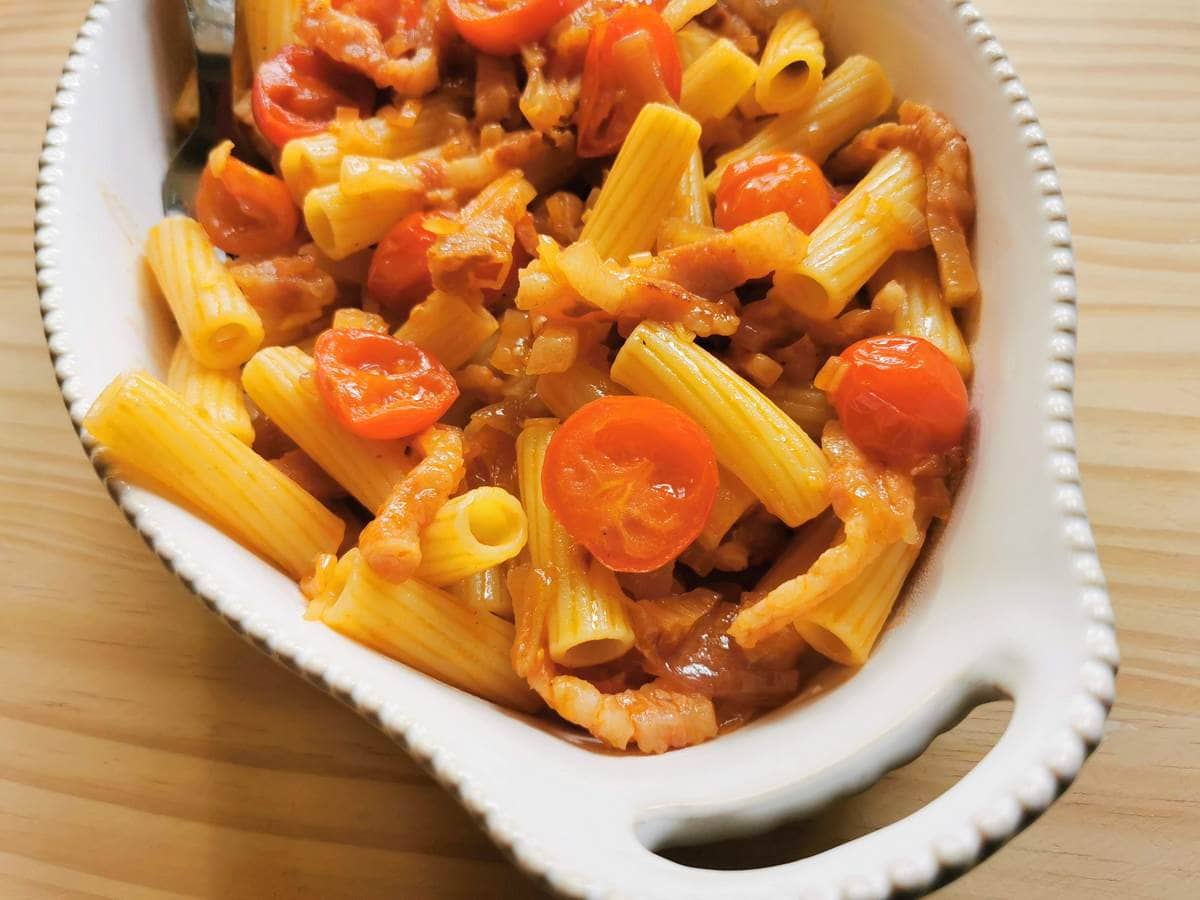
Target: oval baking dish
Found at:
1009, 602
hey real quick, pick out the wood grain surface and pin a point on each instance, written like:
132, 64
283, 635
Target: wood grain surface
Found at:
146, 752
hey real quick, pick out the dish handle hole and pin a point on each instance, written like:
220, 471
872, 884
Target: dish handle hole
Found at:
899, 793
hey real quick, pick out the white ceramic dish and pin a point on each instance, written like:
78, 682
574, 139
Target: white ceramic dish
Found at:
1010, 602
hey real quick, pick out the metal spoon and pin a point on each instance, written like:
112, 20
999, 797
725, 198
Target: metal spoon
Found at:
211, 23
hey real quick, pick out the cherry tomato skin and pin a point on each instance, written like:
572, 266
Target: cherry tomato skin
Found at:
244, 211
399, 273
900, 399
500, 27
631, 479
632, 60
771, 183
297, 92
380, 387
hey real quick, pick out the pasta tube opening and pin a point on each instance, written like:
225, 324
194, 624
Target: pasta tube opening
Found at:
478, 530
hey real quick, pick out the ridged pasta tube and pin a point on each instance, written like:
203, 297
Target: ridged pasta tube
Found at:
884, 213
845, 625
924, 313
214, 393
716, 81
280, 382
472, 532
432, 631
587, 623
853, 95
220, 327
691, 197
752, 438
640, 190
793, 64
341, 224
448, 327
269, 26
678, 13
315, 160
486, 590
147, 427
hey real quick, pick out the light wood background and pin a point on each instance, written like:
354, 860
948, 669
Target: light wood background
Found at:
146, 752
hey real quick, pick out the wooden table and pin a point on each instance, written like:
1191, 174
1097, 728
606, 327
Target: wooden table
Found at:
146, 752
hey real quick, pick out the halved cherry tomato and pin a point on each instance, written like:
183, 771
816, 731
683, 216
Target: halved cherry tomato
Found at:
298, 91
388, 16
399, 273
771, 183
380, 387
900, 399
244, 211
500, 27
631, 60
632, 479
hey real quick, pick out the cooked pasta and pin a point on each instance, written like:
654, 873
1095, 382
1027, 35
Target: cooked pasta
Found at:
845, 625
214, 393
269, 26
922, 312
883, 214
147, 429
342, 224
587, 622
769, 452
219, 327
638, 192
432, 631
716, 81
678, 13
691, 196
280, 382
793, 64
855, 94
486, 590
314, 160
472, 532
731, 278
449, 327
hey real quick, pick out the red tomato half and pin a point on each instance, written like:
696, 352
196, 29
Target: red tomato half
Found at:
631, 60
380, 387
774, 182
500, 27
900, 399
244, 211
399, 273
298, 91
632, 479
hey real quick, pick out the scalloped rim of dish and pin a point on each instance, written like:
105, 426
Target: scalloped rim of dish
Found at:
992, 825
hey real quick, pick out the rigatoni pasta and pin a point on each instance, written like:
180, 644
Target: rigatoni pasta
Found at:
219, 327
716, 81
432, 631
883, 214
793, 64
855, 94
475, 531
769, 452
147, 429
626, 361
587, 624
639, 191
280, 382
921, 310
214, 393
